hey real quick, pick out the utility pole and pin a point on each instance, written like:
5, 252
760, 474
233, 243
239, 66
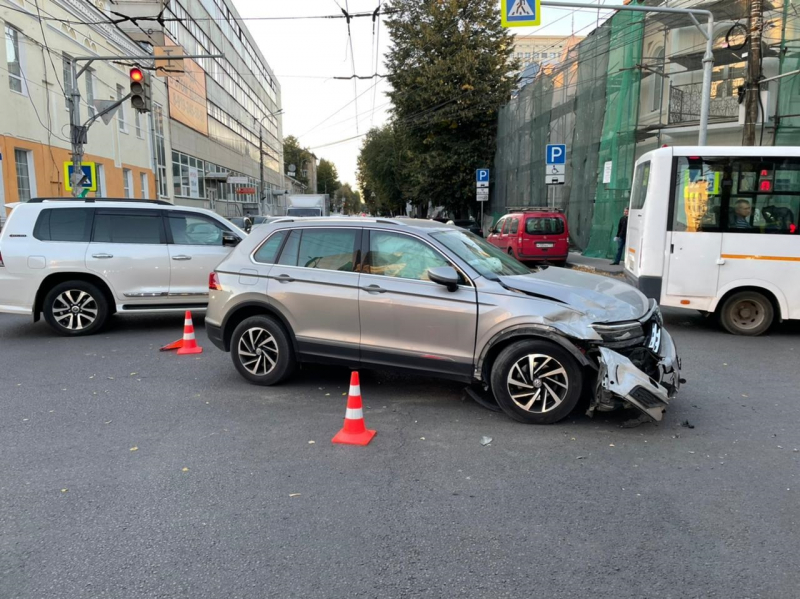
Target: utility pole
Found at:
752, 98
77, 132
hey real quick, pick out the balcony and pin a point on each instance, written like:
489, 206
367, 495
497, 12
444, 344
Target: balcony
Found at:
684, 103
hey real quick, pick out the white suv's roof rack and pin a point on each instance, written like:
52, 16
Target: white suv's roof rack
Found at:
93, 200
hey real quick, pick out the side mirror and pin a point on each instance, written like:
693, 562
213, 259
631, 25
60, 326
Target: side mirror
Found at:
229, 239
444, 275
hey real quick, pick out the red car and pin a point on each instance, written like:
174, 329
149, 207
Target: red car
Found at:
533, 235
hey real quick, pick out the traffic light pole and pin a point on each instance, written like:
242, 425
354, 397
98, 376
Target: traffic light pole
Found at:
78, 132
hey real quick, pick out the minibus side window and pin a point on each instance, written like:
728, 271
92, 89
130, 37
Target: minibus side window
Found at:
641, 179
765, 196
699, 187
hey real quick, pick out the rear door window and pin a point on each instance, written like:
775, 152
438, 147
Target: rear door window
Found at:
544, 225
64, 224
327, 249
641, 180
121, 226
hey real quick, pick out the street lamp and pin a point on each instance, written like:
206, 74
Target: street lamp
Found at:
260, 124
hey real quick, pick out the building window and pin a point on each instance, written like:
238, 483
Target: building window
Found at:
101, 182
13, 62
143, 185
188, 175
658, 81
121, 110
89, 76
127, 182
24, 163
66, 70
138, 124
161, 155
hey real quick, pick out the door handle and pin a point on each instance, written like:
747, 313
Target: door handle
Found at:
102, 256
374, 289
181, 257
284, 279
720, 261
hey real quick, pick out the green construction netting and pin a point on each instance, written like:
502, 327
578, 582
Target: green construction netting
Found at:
618, 140
787, 131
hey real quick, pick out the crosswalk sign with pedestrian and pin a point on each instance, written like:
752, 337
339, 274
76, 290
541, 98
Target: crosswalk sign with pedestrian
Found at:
520, 13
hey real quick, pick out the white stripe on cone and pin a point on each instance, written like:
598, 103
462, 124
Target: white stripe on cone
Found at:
188, 336
352, 414
187, 322
355, 390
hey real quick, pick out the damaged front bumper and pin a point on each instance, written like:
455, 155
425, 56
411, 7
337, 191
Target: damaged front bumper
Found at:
621, 382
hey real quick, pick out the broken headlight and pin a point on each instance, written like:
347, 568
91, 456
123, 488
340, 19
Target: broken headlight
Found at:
620, 334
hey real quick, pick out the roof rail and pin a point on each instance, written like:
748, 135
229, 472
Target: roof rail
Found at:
93, 200
532, 208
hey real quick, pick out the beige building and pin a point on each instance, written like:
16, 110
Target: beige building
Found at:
541, 49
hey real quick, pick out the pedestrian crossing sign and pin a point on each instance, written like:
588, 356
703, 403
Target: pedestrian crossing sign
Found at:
520, 13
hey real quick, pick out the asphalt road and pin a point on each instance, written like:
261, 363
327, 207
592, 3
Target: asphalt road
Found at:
226, 496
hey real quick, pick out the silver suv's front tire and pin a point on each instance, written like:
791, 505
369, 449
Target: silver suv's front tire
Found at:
536, 381
261, 351
75, 308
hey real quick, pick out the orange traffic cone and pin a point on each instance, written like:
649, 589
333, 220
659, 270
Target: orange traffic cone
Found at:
174, 345
354, 431
189, 345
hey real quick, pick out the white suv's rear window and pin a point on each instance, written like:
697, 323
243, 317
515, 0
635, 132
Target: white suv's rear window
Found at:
64, 224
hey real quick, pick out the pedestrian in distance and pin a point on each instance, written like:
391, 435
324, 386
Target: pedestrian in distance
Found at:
622, 234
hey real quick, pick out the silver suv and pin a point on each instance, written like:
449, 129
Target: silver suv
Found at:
430, 298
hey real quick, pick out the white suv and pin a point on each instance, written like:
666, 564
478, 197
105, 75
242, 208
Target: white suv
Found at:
79, 261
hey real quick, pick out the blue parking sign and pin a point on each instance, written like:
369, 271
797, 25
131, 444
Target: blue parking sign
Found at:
482, 175
556, 154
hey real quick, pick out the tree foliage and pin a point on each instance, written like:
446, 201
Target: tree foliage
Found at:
450, 71
348, 199
381, 171
294, 154
327, 177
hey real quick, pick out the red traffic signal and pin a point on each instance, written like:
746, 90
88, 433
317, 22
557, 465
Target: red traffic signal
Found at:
136, 74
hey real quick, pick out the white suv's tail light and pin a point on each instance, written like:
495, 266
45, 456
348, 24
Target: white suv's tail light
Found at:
1, 259
213, 282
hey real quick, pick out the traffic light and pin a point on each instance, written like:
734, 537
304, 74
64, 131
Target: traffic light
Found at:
140, 90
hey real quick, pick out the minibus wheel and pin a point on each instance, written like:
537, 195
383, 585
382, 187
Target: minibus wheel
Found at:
747, 313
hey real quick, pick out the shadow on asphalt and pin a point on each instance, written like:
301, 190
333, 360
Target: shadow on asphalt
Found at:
691, 319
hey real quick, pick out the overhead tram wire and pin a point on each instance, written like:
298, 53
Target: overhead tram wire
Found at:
352, 58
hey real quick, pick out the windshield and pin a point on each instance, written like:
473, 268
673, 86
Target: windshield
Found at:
480, 255
304, 212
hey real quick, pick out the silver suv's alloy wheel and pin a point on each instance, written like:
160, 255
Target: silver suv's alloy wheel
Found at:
537, 383
258, 351
75, 310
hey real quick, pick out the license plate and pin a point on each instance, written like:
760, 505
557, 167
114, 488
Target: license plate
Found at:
654, 344
545, 245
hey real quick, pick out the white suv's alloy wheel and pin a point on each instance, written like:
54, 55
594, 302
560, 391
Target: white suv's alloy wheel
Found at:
75, 310
537, 383
258, 351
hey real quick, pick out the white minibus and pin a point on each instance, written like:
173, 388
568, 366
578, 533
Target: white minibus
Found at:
715, 229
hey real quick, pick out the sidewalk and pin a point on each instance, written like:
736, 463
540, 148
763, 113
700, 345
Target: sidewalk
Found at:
599, 265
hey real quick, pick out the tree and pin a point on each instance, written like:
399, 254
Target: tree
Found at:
349, 200
450, 70
381, 170
327, 177
294, 154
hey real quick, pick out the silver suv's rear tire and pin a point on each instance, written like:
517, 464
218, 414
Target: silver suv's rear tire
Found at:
536, 382
75, 308
261, 351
